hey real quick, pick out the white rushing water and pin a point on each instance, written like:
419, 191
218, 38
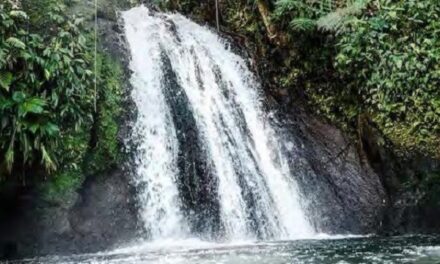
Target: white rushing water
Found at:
176, 60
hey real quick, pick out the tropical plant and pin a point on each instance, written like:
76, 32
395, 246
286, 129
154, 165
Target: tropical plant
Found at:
45, 85
330, 15
392, 63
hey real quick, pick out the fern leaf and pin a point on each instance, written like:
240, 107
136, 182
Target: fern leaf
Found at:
332, 21
303, 24
18, 14
335, 21
16, 43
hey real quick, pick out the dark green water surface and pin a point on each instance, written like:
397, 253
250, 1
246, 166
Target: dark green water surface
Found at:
406, 249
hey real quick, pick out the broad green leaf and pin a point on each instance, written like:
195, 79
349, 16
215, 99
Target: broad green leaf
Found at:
5, 103
393, 14
16, 43
46, 160
47, 74
18, 97
51, 129
34, 127
18, 13
32, 105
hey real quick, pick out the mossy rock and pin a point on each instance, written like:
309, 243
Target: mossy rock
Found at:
107, 9
61, 189
430, 186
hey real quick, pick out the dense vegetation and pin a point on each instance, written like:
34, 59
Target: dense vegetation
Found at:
389, 61
384, 60
55, 123
392, 59
45, 83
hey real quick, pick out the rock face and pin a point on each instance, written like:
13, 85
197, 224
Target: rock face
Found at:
105, 213
412, 184
359, 185
341, 191
101, 215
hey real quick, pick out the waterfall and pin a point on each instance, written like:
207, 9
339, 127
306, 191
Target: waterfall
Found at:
208, 162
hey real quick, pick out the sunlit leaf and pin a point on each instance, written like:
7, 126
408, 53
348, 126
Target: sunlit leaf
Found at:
16, 43
6, 80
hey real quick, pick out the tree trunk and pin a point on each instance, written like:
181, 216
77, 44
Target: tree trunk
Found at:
217, 15
279, 38
265, 15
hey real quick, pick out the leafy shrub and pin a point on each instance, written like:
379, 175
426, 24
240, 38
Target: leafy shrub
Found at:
89, 150
392, 62
105, 151
303, 15
59, 189
383, 61
45, 85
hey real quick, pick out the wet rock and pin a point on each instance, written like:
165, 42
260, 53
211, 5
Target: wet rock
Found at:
411, 180
341, 192
105, 214
102, 215
8, 250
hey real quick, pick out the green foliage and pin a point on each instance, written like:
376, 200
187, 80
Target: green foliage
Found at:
244, 19
337, 20
382, 60
303, 24
47, 95
430, 186
392, 63
85, 158
45, 85
63, 185
329, 15
106, 150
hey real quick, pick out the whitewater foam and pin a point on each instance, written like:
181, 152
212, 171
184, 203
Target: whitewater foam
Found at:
189, 86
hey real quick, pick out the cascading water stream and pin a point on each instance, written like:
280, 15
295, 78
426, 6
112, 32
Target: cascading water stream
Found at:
208, 161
